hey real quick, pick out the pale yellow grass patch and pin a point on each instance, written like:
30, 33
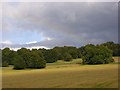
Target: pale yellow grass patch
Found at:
63, 76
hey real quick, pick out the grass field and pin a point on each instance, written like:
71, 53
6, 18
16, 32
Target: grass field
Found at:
63, 75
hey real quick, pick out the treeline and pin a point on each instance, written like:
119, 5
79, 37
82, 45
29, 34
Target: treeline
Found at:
90, 54
114, 47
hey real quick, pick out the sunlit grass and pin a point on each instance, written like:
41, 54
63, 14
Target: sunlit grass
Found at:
63, 75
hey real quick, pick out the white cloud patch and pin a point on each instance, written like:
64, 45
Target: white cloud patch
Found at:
48, 38
34, 47
7, 42
31, 42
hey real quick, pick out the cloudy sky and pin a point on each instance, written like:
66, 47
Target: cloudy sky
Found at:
50, 24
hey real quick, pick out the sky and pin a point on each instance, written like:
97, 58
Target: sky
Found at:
50, 24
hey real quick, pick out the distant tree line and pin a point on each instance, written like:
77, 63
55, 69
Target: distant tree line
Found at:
37, 58
114, 47
23, 58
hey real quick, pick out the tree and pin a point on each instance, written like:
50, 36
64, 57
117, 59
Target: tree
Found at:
29, 59
36, 61
50, 56
5, 57
0, 58
25, 54
67, 57
19, 63
11, 57
114, 47
92, 54
39, 52
73, 51
59, 51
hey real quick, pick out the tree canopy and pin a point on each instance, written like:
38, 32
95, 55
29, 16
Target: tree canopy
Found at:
37, 58
114, 47
92, 54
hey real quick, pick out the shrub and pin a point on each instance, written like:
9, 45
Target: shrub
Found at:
50, 56
92, 54
36, 61
19, 63
67, 57
4, 64
5, 57
28, 59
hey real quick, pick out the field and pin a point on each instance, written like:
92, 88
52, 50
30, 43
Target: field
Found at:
63, 75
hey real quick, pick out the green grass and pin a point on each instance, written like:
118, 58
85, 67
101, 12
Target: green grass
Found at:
61, 62
63, 75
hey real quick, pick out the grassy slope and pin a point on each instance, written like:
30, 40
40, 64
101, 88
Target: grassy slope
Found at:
63, 75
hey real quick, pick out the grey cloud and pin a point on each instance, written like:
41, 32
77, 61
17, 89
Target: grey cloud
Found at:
73, 23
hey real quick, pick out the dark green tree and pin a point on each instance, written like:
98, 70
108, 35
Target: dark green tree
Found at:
73, 51
19, 63
39, 52
50, 56
11, 57
59, 52
114, 47
25, 54
0, 58
67, 57
36, 61
5, 57
92, 54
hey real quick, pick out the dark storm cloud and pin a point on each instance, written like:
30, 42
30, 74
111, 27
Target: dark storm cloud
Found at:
71, 23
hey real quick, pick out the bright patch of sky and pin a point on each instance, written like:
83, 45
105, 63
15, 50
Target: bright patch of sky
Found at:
22, 36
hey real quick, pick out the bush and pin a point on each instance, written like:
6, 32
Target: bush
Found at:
67, 57
50, 56
92, 54
36, 61
7, 57
4, 64
28, 59
19, 63
25, 54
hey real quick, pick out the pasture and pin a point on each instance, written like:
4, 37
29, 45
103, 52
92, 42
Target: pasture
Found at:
63, 75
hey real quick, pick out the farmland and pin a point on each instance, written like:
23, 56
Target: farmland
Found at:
63, 75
